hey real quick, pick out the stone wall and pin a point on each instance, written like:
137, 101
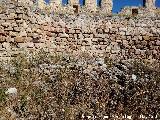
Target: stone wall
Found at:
120, 37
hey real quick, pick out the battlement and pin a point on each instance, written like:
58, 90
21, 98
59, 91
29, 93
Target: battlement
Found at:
89, 6
150, 4
73, 6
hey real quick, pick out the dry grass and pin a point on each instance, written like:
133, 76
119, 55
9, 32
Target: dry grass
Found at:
56, 86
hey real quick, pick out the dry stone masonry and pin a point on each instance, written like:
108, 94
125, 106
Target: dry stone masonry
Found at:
24, 27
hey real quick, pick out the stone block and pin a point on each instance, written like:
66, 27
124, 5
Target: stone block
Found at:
118, 41
23, 34
45, 28
123, 29
1, 46
2, 39
71, 31
140, 38
125, 42
58, 39
63, 35
19, 11
25, 25
20, 39
154, 52
106, 30
77, 31
39, 45
52, 30
49, 34
29, 30
79, 42
5, 24
97, 36
158, 42
10, 21
9, 39
60, 30
86, 35
137, 52
1, 21
30, 35
99, 31
71, 35
3, 17
30, 45
143, 43
94, 39
131, 50
16, 29
12, 15
8, 28
25, 17
35, 35
76, 36
122, 33
14, 24
158, 25
72, 40
6, 45
64, 39
22, 45
39, 31
103, 36
19, 21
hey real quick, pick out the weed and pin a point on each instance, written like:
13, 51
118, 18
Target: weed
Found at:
3, 96
58, 87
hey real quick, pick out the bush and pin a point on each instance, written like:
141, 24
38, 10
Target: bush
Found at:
64, 86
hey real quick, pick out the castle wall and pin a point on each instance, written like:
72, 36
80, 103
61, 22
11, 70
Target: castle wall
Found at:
119, 37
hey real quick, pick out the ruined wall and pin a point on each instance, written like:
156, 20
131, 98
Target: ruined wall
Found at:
120, 37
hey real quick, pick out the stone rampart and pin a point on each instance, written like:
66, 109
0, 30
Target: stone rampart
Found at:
119, 36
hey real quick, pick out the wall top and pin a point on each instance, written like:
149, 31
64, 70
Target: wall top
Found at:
90, 6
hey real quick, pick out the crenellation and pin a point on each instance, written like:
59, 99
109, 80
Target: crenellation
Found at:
41, 4
73, 6
106, 6
91, 5
150, 4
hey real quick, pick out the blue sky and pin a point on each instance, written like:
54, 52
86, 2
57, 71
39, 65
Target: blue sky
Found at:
118, 4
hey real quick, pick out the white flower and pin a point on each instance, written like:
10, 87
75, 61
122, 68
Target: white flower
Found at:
105, 117
129, 117
11, 91
134, 77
